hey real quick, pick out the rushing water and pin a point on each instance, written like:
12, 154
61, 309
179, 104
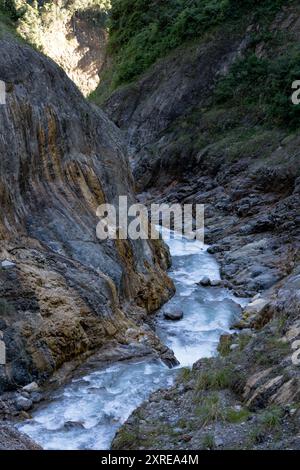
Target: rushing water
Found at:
86, 413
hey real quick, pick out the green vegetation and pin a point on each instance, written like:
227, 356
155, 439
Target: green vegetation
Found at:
215, 379
236, 416
142, 31
271, 418
210, 410
264, 84
274, 350
208, 441
8, 16
268, 423
32, 18
185, 375
36, 18
9, 9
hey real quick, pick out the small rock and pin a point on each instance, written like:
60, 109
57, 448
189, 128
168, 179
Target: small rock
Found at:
36, 397
6, 264
256, 307
233, 347
23, 404
32, 387
237, 407
73, 425
216, 283
219, 442
176, 315
24, 415
205, 281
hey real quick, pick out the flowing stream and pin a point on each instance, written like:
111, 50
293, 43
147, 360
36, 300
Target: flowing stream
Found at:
87, 412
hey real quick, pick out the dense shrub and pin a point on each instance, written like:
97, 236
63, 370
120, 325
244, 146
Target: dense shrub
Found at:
265, 84
141, 31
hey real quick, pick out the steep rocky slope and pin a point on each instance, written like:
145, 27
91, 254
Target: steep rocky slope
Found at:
73, 33
11, 439
239, 157
64, 293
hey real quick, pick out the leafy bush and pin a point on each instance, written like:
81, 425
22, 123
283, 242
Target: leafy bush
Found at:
141, 31
264, 84
32, 18
8, 7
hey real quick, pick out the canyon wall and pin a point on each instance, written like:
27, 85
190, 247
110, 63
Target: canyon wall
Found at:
63, 292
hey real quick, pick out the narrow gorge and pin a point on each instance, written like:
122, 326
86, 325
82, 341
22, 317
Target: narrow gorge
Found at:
189, 103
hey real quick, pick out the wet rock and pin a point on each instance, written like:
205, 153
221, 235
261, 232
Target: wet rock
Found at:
6, 264
73, 425
23, 404
205, 281
37, 397
32, 387
174, 315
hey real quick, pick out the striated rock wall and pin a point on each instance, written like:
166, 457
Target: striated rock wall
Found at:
65, 292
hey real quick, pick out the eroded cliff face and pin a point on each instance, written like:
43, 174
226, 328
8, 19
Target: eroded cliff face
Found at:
75, 39
64, 292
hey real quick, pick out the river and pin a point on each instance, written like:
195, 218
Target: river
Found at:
86, 413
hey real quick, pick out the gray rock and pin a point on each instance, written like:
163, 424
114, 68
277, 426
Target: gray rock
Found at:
23, 404
12, 439
205, 281
36, 397
6, 264
174, 315
32, 387
73, 425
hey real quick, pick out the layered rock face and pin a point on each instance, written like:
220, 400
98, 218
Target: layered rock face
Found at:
148, 109
63, 292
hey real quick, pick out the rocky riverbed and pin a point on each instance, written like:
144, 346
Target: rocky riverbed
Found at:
86, 413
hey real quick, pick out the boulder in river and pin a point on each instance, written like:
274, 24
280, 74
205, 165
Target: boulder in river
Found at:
174, 315
205, 281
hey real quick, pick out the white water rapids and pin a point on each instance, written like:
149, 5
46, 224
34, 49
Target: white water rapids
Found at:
87, 412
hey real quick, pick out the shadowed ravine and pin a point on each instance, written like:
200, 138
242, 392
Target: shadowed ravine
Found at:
87, 412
